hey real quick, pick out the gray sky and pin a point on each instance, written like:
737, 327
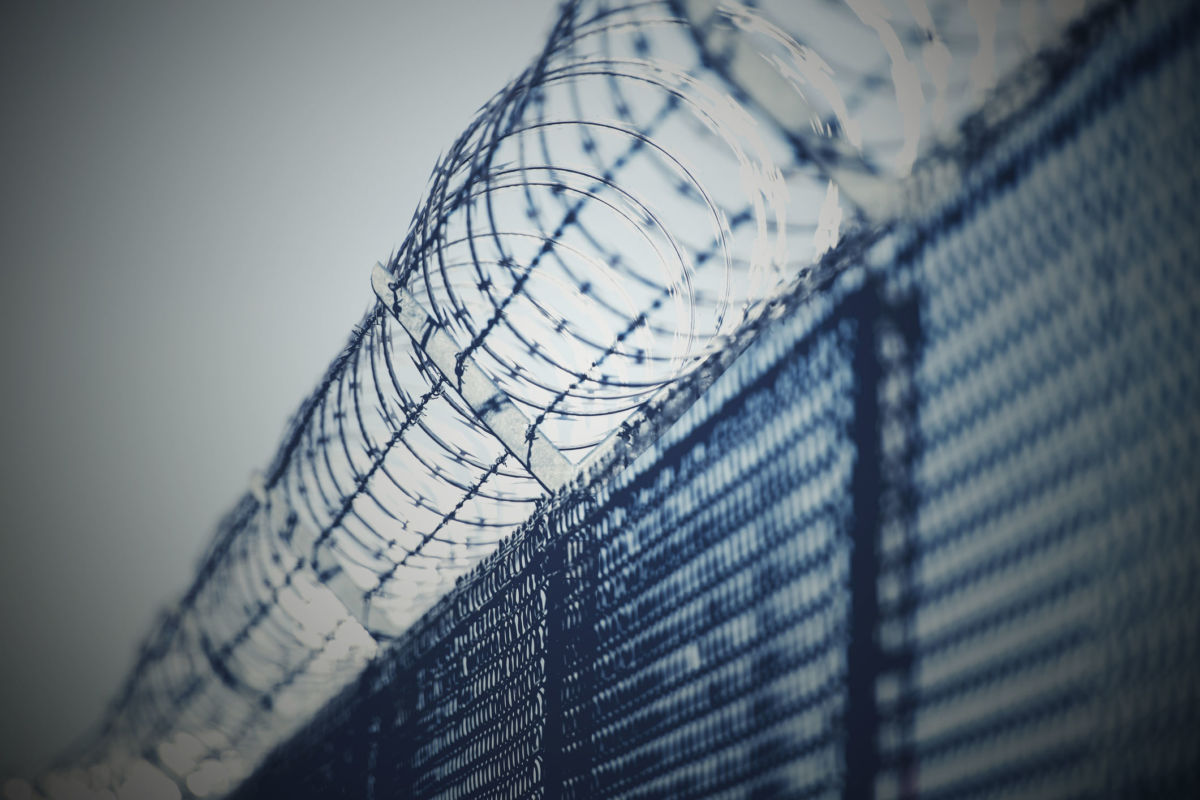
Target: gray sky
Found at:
193, 196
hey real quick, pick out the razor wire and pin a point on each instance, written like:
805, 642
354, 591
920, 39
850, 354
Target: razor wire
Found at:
605, 225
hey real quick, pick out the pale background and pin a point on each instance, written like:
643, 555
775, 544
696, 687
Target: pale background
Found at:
193, 196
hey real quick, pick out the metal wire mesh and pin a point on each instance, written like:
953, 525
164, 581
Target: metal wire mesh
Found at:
932, 535
605, 226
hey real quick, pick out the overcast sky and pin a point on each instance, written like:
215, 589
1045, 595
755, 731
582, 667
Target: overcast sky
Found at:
193, 197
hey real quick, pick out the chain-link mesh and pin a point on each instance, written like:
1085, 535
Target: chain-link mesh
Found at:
610, 230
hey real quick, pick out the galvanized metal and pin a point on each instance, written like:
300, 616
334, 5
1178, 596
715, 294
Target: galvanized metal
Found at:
492, 406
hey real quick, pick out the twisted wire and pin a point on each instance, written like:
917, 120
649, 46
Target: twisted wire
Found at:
603, 225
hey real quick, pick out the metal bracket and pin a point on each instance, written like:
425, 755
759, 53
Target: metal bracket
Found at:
492, 407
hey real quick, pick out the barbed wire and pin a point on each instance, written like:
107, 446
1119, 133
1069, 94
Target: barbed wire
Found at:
604, 225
